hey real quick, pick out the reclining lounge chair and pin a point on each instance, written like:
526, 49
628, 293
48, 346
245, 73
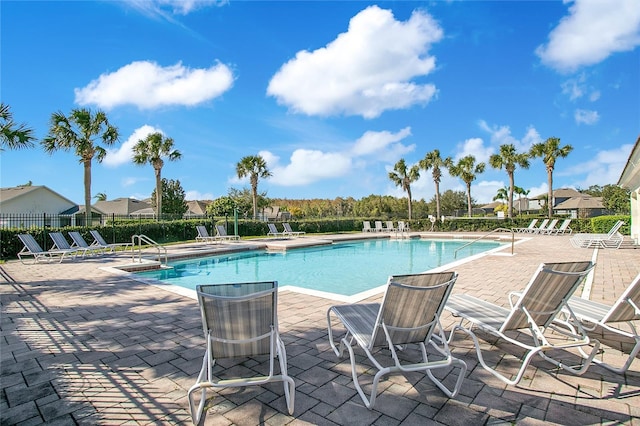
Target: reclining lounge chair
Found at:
32, 248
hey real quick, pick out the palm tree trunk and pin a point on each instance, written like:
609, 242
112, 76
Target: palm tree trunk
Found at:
254, 196
158, 192
469, 198
550, 193
409, 196
510, 205
437, 199
87, 191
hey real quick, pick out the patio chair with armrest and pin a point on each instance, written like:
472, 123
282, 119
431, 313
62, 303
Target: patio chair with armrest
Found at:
240, 321
80, 243
378, 226
612, 239
221, 234
289, 231
61, 243
534, 313
408, 315
273, 231
203, 235
366, 226
625, 310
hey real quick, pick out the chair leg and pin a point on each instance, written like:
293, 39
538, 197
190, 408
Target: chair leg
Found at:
627, 364
288, 382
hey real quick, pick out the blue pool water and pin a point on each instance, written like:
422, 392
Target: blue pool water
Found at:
343, 268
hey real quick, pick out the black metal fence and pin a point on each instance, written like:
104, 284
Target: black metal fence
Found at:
48, 220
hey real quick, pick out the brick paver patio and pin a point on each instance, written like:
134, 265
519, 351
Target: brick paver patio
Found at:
81, 345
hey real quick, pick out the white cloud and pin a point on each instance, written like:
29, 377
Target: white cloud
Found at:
197, 195
307, 166
584, 116
593, 30
178, 7
605, 168
364, 71
148, 85
374, 142
484, 191
501, 135
475, 147
124, 154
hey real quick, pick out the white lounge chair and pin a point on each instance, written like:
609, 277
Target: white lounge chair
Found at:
273, 231
408, 315
366, 226
403, 227
239, 321
61, 243
612, 239
534, 312
390, 227
378, 226
221, 234
549, 229
99, 241
536, 229
625, 310
32, 248
289, 231
203, 234
80, 243
529, 228
563, 228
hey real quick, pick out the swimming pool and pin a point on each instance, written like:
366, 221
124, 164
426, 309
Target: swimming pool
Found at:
344, 269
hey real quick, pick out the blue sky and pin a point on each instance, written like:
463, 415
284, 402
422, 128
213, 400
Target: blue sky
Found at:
331, 94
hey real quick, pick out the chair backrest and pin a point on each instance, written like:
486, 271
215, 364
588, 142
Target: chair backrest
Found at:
240, 319
272, 228
30, 243
627, 307
78, 239
532, 225
221, 230
378, 224
96, 236
366, 224
390, 224
411, 307
551, 225
60, 241
543, 224
287, 227
615, 228
564, 225
546, 294
202, 231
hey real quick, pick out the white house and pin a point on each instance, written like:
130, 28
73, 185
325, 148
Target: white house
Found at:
27, 206
630, 179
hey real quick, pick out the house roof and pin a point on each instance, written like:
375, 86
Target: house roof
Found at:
12, 193
492, 205
561, 193
197, 207
582, 202
630, 177
121, 206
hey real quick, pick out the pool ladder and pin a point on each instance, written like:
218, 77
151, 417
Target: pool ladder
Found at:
136, 245
513, 238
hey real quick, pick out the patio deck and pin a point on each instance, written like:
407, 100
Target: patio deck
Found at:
81, 345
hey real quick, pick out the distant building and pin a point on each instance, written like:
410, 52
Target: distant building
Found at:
35, 206
121, 206
197, 208
630, 179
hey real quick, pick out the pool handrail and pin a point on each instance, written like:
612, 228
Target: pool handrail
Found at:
513, 238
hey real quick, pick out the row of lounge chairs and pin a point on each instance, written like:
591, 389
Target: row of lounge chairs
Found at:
546, 227
221, 235
545, 318
287, 231
61, 248
386, 227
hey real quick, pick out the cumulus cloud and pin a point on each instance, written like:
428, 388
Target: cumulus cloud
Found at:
364, 71
475, 147
604, 168
584, 116
148, 85
196, 195
501, 135
124, 154
306, 166
591, 32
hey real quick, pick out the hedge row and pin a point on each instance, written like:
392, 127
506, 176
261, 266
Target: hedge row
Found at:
185, 230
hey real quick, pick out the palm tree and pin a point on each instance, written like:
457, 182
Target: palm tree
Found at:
13, 136
509, 158
433, 161
81, 131
550, 150
502, 194
520, 191
150, 150
467, 169
404, 178
255, 167
100, 196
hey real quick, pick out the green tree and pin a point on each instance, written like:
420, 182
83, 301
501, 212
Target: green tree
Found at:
222, 206
550, 150
519, 191
255, 167
467, 170
151, 150
451, 201
243, 200
100, 196
403, 177
435, 162
616, 199
12, 135
502, 194
593, 190
81, 131
172, 196
509, 158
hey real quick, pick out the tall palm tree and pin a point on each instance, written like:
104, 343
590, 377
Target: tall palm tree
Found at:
255, 167
434, 161
81, 131
550, 150
509, 158
151, 150
404, 177
100, 196
502, 194
12, 135
467, 169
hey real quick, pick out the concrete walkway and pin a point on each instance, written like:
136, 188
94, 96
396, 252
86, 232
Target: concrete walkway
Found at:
81, 345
